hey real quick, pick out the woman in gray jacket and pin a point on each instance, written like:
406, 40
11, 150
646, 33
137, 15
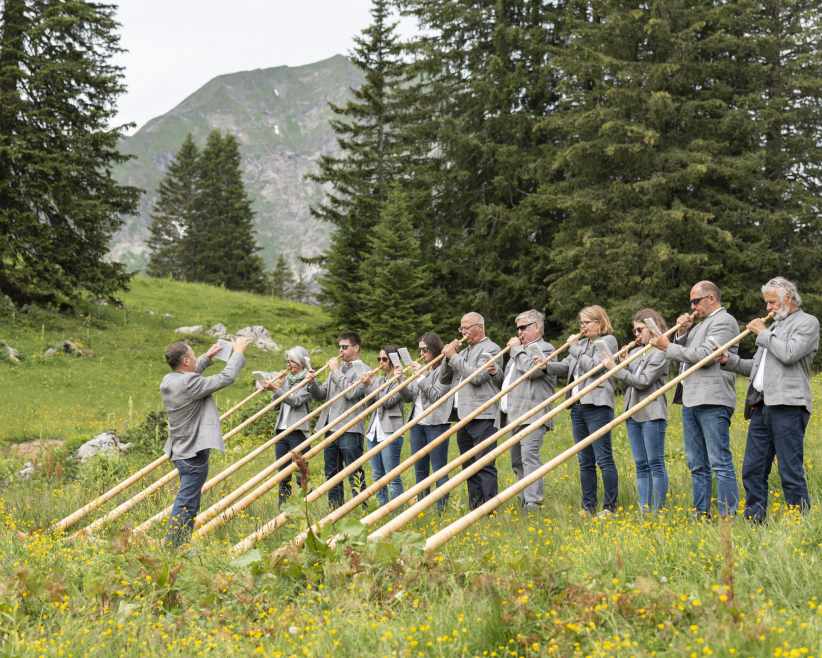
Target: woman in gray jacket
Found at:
293, 409
386, 420
595, 409
646, 428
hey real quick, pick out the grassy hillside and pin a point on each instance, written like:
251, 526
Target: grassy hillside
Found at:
69, 398
549, 584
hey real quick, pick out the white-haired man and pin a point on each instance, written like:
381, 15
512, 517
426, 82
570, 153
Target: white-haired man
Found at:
528, 348
458, 366
778, 403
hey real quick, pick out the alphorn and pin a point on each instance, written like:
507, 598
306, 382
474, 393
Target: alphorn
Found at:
281, 518
209, 514
71, 519
341, 511
229, 513
160, 482
449, 532
235, 466
403, 518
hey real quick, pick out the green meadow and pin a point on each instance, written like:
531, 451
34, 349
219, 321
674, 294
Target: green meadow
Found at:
549, 584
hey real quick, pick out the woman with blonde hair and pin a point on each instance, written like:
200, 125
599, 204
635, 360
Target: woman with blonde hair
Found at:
595, 409
646, 428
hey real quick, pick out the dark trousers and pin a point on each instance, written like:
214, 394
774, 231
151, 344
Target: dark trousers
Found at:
193, 473
482, 486
585, 420
285, 445
421, 436
775, 431
346, 449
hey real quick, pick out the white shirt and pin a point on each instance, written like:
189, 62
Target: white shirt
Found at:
284, 420
759, 378
376, 432
509, 377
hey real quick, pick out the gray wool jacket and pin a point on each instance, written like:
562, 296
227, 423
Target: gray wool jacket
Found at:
482, 386
538, 387
645, 376
582, 358
424, 392
338, 381
193, 418
791, 345
294, 407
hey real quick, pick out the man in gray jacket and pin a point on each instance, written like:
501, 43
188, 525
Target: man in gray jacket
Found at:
528, 348
778, 402
343, 372
457, 367
193, 424
708, 398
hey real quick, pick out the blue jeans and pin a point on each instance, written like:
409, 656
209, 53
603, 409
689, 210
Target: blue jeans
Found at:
421, 436
648, 447
775, 431
482, 486
585, 420
193, 473
346, 449
708, 448
384, 461
285, 445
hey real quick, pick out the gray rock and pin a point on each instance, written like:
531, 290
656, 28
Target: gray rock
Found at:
26, 472
262, 339
105, 442
8, 353
50, 352
168, 316
193, 329
75, 348
218, 331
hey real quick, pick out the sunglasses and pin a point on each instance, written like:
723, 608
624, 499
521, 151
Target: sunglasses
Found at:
696, 300
344, 347
523, 327
423, 348
382, 359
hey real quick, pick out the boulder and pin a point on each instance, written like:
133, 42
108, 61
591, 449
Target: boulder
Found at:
75, 348
193, 329
262, 339
50, 352
8, 353
105, 442
218, 331
26, 472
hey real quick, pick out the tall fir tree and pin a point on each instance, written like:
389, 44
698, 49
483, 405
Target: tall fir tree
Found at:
396, 283
281, 279
667, 128
484, 87
219, 247
360, 176
173, 212
59, 205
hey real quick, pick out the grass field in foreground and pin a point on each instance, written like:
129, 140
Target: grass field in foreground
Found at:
554, 583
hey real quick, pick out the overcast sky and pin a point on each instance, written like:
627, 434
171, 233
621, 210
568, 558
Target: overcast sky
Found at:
176, 46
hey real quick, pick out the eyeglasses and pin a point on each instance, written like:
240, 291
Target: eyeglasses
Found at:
464, 329
638, 330
344, 347
695, 301
383, 359
523, 327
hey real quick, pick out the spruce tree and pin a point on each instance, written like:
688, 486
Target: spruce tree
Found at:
59, 204
219, 247
360, 176
395, 293
173, 210
281, 279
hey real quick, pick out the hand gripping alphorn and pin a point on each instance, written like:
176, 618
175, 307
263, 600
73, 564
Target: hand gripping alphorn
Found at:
408, 515
75, 516
449, 532
160, 482
280, 519
228, 513
234, 467
341, 511
209, 514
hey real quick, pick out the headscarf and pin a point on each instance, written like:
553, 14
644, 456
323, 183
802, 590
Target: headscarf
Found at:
299, 355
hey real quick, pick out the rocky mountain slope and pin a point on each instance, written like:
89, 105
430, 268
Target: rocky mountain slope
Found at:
281, 117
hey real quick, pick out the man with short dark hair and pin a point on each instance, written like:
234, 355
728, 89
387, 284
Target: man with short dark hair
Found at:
193, 424
778, 402
342, 373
